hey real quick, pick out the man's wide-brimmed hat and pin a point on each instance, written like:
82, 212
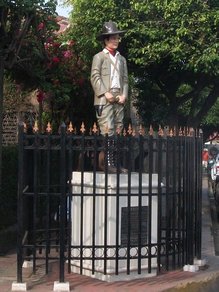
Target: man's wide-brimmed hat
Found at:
109, 28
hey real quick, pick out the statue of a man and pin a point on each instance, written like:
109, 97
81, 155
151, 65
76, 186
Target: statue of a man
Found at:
109, 79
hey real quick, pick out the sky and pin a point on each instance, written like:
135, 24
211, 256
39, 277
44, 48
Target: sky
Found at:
62, 11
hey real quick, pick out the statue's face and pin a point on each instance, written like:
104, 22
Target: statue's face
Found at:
113, 41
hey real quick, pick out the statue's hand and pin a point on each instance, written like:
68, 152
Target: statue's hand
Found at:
109, 97
121, 99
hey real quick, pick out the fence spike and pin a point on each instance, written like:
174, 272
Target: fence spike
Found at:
48, 128
129, 129
200, 132
118, 131
70, 127
140, 130
82, 129
151, 131
171, 133
187, 132
95, 129
191, 131
35, 127
160, 131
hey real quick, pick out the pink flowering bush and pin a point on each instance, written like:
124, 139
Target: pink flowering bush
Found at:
65, 77
63, 68
59, 74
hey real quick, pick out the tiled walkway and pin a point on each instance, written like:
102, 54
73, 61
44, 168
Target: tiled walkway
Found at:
41, 283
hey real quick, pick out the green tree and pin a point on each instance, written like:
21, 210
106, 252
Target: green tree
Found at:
17, 19
210, 123
179, 55
172, 47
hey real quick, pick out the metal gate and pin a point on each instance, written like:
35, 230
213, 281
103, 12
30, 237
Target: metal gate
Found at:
161, 230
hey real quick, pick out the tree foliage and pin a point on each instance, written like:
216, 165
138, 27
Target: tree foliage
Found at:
17, 19
37, 57
32, 53
173, 51
11, 90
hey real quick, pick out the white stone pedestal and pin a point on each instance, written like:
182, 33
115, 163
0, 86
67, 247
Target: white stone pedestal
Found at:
19, 286
105, 209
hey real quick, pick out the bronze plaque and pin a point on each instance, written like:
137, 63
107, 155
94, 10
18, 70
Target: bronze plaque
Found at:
132, 225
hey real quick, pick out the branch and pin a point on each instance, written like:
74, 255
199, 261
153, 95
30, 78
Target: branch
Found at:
193, 104
16, 44
206, 106
202, 82
23, 60
3, 20
162, 88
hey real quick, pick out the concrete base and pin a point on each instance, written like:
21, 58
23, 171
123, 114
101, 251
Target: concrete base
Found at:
196, 265
27, 264
108, 216
200, 263
19, 286
111, 277
190, 268
58, 286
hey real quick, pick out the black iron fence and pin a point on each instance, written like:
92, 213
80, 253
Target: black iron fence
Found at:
99, 223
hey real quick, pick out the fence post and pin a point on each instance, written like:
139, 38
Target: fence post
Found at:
19, 286
199, 145
62, 202
192, 196
62, 285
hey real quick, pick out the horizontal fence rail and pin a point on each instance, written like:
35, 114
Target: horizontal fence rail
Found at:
145, 220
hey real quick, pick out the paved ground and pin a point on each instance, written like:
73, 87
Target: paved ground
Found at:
206, 279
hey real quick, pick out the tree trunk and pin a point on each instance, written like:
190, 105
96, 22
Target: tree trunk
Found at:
172, 119
209, 102
1, 113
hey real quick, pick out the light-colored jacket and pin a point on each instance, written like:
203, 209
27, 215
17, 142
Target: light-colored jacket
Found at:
101, 74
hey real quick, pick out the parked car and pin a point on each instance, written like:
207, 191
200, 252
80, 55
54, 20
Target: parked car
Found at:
213, 171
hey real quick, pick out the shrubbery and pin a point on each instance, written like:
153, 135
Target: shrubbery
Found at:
8, 196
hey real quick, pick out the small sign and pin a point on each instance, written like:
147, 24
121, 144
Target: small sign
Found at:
131, 219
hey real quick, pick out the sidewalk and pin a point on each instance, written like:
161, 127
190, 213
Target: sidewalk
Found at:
206, 279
